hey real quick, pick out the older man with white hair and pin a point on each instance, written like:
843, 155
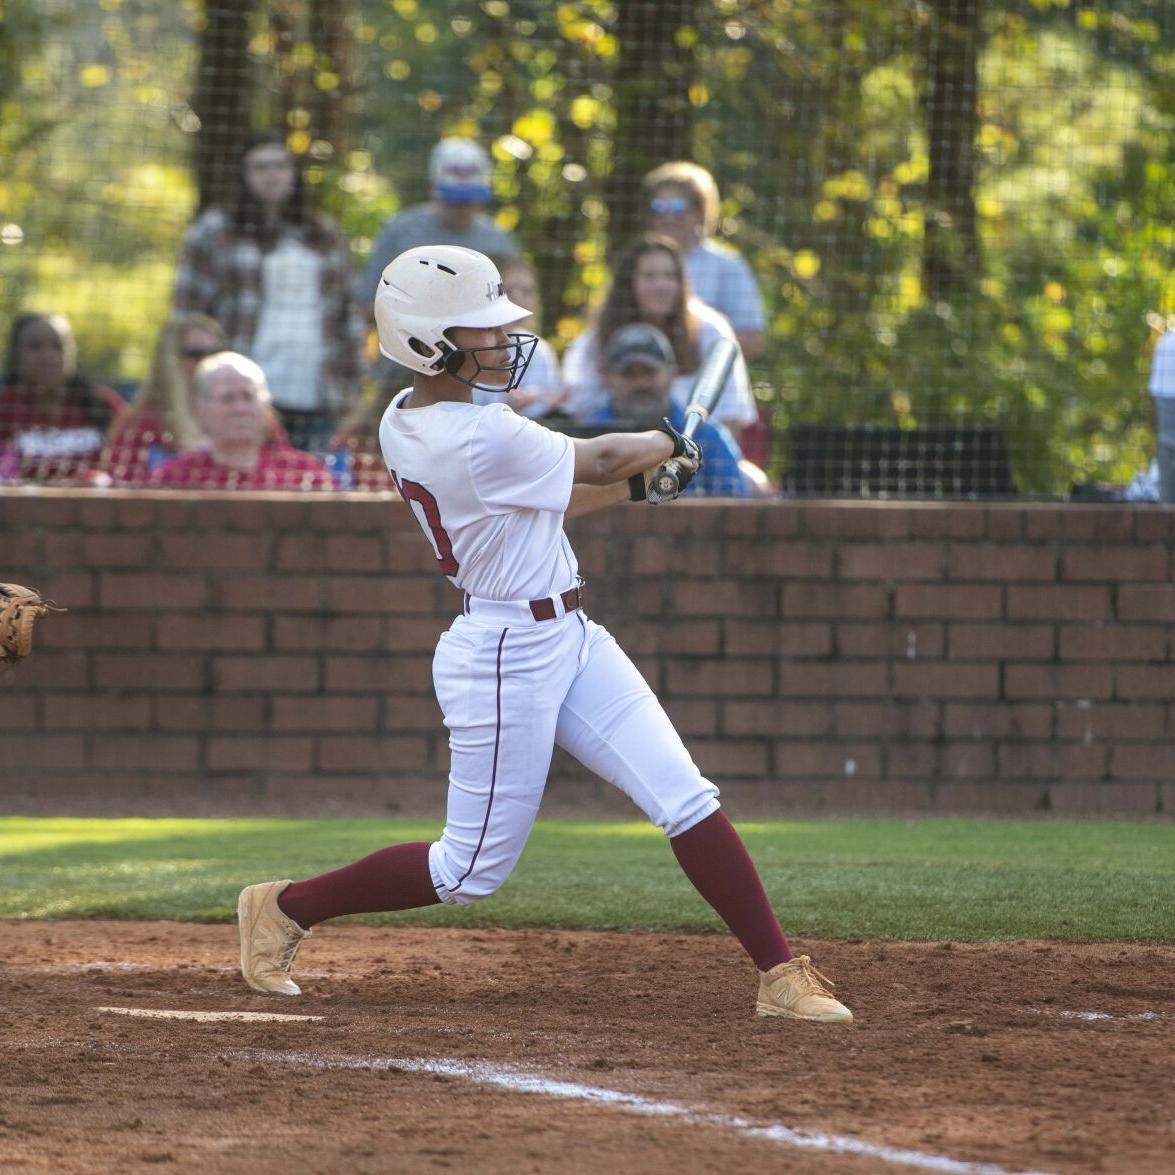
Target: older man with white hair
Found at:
230, 403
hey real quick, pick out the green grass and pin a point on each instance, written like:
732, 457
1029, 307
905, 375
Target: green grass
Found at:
967, 880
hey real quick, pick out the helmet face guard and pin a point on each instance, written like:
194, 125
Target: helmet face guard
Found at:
520, 349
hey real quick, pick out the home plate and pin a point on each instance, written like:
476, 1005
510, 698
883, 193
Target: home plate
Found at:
183, 1014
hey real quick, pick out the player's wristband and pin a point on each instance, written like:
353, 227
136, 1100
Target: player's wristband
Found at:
637, 490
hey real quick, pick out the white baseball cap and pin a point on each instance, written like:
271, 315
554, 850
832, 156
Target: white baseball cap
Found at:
459, 170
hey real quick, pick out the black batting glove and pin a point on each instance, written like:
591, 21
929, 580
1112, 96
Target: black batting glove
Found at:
683, 446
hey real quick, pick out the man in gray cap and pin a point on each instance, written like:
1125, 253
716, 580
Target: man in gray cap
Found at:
639, 366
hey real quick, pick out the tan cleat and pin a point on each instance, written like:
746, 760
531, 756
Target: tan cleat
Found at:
269, 940
798, 991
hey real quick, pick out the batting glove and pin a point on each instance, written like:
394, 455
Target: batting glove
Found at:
683, 446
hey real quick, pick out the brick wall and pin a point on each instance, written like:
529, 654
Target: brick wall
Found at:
271, 653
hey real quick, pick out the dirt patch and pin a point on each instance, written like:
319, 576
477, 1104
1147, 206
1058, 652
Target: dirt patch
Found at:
442, 1049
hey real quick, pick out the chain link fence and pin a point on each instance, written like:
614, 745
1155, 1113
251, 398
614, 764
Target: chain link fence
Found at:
959, 214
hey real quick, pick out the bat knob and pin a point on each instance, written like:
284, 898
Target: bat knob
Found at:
665, 484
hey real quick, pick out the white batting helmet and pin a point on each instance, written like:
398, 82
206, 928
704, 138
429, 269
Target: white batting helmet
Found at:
426, 291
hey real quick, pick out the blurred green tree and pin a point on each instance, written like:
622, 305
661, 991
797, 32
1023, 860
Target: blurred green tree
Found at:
958, 211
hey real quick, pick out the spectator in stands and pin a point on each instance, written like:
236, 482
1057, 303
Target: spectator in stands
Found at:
682, 203
459, 173
541, 391
276, 275
459, 178
1162, 387
650, 286
159, 422
639, 366
230, 404
52, 418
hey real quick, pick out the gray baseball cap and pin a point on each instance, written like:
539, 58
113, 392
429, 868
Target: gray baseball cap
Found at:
638, 342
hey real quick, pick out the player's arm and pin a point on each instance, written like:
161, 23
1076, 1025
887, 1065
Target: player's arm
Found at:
615, 457
586, 499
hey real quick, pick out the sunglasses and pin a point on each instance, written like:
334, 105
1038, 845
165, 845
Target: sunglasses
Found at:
195, 354
663, 204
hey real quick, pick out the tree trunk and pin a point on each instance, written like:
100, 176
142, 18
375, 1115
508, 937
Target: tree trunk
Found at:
654, 117
222, 97
950, 253
332, 34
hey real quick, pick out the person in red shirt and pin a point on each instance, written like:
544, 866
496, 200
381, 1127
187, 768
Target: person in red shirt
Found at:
159, 423
232, 408
52, 418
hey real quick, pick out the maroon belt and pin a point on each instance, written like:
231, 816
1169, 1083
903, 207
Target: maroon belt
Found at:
544, 609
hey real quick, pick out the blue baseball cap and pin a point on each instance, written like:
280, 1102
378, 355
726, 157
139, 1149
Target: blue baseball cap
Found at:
459, 170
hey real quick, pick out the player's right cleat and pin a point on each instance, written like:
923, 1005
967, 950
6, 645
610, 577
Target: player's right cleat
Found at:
799, 992
269, 940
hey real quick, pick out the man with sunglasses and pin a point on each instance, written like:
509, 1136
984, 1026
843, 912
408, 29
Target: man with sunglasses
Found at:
681, 202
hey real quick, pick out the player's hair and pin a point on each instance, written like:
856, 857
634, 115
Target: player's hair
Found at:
248, 215
620, 307
166, 390
696, 180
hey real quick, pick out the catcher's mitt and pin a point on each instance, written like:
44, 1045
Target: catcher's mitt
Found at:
20, 607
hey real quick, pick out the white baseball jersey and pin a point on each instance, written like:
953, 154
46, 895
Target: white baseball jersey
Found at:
489, 488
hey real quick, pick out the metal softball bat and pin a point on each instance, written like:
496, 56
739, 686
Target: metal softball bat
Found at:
704, 395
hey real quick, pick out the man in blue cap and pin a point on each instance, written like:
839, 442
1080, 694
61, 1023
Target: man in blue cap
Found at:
459, 172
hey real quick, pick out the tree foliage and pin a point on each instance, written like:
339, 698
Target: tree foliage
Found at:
958, 211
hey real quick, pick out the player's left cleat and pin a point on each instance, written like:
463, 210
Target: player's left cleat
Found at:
269, 940
799, 992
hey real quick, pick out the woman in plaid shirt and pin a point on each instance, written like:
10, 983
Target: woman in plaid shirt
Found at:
276, 276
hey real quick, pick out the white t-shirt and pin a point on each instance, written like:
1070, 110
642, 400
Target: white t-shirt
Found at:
288, 345
489, 489
588, 394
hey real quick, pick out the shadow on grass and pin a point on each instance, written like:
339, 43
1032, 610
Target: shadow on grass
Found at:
938, 879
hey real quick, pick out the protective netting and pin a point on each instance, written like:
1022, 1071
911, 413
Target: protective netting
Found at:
959, 215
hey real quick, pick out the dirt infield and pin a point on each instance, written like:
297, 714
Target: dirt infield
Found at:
529, 1051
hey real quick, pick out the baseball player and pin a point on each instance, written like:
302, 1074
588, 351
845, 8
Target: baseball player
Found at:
522, 668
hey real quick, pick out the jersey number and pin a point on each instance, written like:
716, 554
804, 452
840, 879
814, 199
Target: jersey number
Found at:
413, 491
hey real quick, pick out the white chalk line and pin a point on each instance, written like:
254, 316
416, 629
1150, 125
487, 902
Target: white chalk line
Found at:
519, 1081
1092, 1017
1109, 1016
188, 1014
105, 965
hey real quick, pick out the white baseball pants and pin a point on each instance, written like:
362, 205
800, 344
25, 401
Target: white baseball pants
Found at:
511, 688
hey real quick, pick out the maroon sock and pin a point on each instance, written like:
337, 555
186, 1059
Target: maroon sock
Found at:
395, 878
714, 858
